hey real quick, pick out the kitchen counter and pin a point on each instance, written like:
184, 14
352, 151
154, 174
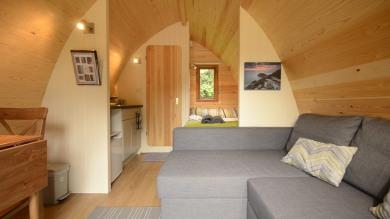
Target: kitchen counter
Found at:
126, 106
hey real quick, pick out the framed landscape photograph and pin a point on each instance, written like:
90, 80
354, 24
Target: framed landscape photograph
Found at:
262, 75
86, 68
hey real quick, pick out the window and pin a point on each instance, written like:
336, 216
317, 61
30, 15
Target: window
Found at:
207, 83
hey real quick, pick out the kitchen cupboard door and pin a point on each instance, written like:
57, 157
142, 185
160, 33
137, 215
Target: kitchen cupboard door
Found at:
127, 137
163, 93
135, 142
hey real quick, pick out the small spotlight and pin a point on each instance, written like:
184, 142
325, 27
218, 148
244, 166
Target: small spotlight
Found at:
81, 25
136, 60
85, 26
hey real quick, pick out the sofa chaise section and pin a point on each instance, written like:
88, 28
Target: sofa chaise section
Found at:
297, 198
219, 173
206, 175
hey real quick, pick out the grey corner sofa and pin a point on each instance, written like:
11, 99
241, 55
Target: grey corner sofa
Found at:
236, 173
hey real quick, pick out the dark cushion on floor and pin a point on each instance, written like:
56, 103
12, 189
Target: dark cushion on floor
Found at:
369, 170
300, 198
218, 174
338, 130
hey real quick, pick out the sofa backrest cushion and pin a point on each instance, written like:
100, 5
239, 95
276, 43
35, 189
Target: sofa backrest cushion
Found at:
370, 168
242, 138
338, 130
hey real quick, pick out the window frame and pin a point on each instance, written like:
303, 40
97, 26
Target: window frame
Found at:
216, 83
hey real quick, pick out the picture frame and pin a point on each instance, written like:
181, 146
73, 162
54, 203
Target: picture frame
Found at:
262, 75
86, 67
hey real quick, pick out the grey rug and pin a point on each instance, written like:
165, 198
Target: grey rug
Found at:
125, 213
156, 157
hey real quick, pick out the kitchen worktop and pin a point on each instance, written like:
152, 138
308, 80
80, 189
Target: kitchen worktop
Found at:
126, 106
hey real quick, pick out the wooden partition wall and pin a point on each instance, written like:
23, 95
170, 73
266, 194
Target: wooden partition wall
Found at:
163, 93
227, 85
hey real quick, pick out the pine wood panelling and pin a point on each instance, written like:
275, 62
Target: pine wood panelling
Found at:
363, 85
163, 86
336, 53
295, 26
368, 71
213, 24
311, 37
32, 34
376, 107
368, 93
360, 89
367, 42
228, 88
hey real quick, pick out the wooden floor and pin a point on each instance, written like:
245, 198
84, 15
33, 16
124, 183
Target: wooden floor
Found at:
135, 187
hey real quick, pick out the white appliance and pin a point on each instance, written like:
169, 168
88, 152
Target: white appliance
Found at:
116, 155
125, 137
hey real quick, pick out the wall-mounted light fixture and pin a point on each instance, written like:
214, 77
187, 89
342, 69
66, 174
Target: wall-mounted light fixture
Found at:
137, 60
85, 26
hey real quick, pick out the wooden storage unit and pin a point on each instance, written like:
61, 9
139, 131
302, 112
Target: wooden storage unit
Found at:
23, 171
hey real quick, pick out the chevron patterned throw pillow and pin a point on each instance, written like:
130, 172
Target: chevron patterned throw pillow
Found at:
327, 162
382, 211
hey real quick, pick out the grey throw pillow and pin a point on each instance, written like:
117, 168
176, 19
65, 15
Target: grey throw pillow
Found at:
338, 130
370, 168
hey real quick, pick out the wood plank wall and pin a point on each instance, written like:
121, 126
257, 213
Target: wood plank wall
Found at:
228, 97
336, 53
32, 34
347, 74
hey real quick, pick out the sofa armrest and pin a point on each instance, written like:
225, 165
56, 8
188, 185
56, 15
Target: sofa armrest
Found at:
256, 138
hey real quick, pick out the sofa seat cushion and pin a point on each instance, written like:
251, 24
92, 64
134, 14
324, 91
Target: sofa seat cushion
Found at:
298, 197
219, 174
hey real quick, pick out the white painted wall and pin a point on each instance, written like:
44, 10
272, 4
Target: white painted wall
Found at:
78, 119
262, 108
131, 84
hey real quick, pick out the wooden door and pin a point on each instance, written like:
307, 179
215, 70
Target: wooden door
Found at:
163, 93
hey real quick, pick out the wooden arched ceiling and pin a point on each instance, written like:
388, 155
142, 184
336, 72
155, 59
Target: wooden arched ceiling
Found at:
336, 53
32, 34
297, 26
214, 24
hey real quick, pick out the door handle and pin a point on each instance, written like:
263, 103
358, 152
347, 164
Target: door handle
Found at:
177, 101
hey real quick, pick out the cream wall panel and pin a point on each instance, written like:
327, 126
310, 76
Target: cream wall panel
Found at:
262, 108
78, 119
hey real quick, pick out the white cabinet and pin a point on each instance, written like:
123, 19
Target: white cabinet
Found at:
128, 126
116, 157
125, 121
125, 137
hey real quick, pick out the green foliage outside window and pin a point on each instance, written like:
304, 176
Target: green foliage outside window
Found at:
206, 83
